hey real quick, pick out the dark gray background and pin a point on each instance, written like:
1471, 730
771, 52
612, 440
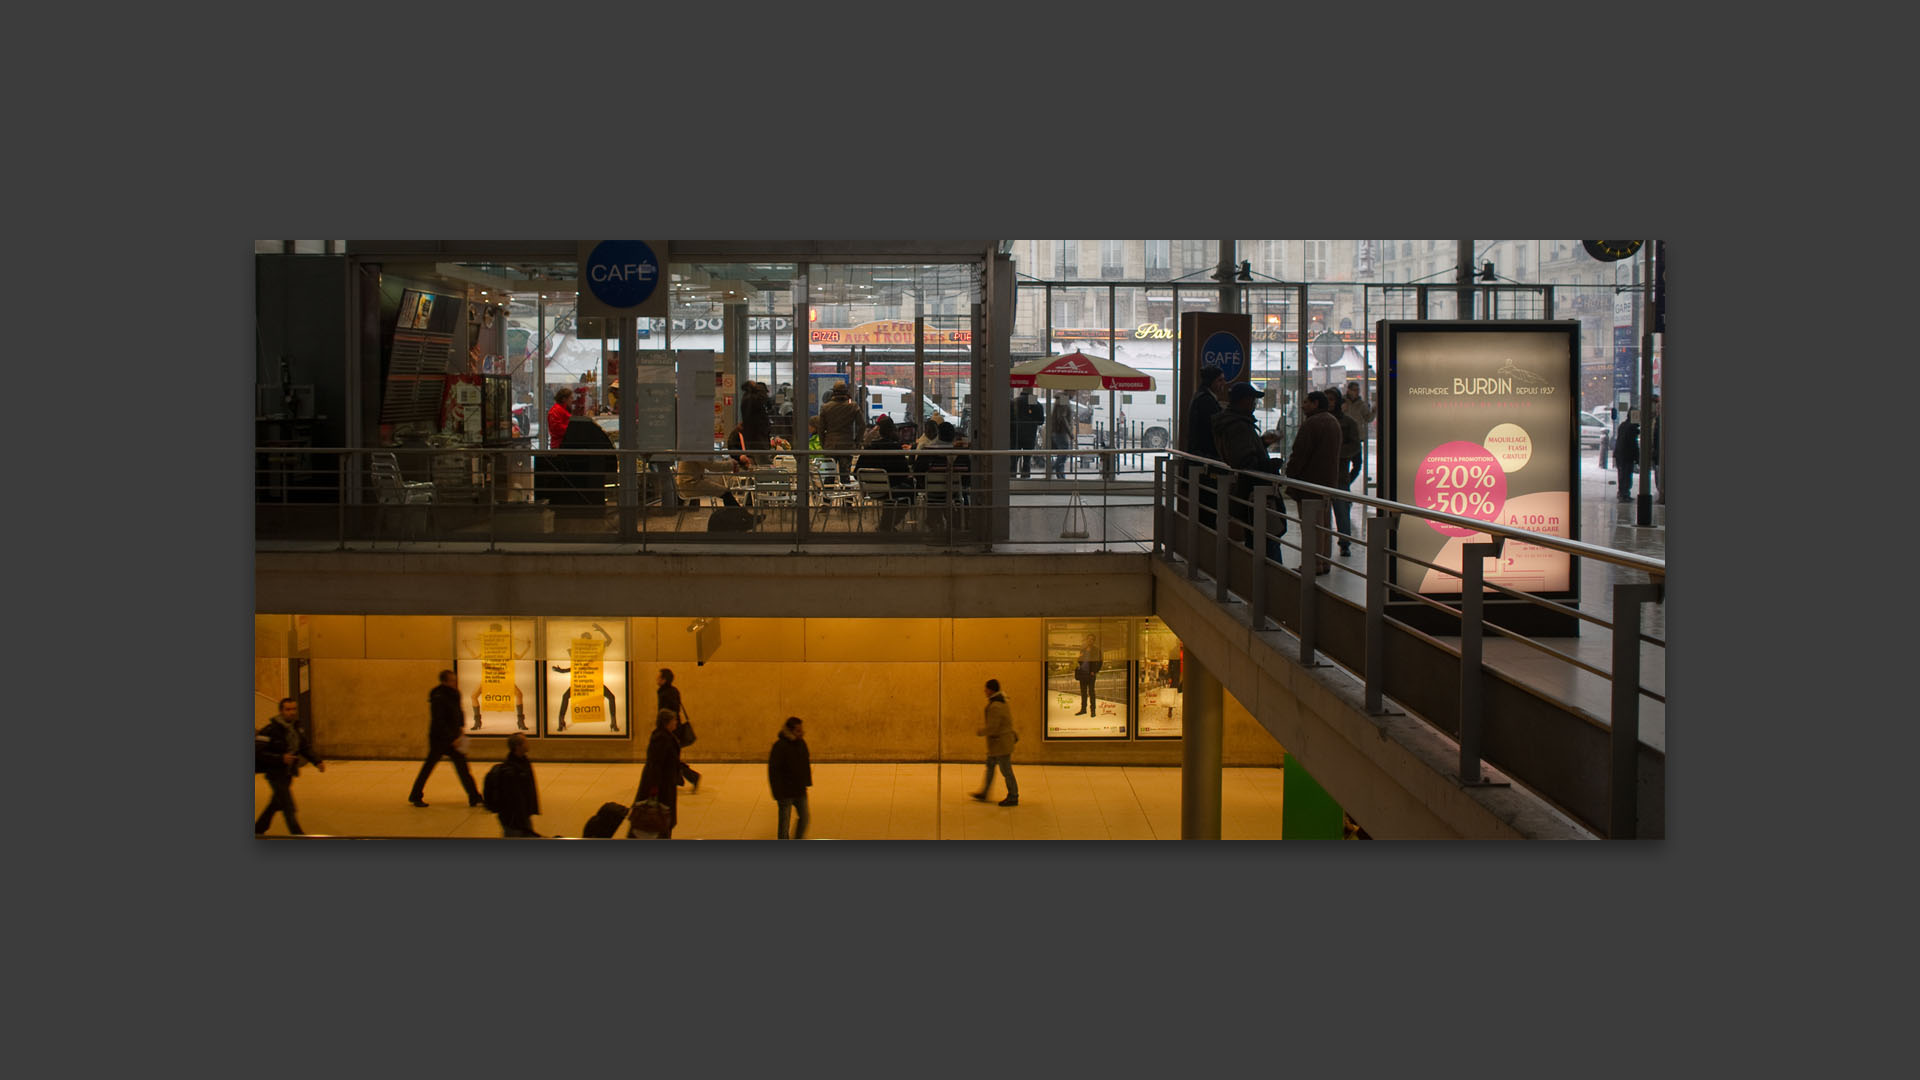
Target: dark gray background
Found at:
155, 930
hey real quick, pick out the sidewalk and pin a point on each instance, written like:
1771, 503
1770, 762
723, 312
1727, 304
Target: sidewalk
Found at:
849, 801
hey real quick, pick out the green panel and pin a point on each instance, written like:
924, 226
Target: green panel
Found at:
1307, 812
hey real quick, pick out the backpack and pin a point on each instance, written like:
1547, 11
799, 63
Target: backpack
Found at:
604, 822
490, 788
730, 519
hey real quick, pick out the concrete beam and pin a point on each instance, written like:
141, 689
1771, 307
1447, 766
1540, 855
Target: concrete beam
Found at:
1393, 774
766, 585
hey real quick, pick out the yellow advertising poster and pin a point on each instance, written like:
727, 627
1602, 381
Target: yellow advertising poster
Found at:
586, 663
584, 682
496, 670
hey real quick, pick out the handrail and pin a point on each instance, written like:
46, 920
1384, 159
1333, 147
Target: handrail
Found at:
1571, 547
494, 495
1554, 756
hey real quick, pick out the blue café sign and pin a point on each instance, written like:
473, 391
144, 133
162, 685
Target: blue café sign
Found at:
1224, 351
622, 273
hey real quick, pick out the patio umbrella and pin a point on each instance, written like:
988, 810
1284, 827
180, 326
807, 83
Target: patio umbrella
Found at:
1080, 371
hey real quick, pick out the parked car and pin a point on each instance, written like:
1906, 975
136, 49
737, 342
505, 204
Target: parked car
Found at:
1592, 430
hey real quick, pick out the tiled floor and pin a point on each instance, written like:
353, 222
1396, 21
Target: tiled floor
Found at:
848, 802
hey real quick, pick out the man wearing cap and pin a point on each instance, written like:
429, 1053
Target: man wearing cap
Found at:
1316, 460
1238, 442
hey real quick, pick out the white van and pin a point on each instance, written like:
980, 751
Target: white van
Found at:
1152, 410
897, 402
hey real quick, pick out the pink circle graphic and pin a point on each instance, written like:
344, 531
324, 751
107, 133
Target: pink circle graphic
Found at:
1460, 478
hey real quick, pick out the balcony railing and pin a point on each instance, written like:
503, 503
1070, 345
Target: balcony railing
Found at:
1089, 497
1561, 713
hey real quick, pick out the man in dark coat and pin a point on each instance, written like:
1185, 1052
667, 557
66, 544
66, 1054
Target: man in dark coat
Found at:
660, 777
842, 427
1349, 467
756, 417
516, 797
1626, 452
1087, 673
790, 774
668, 698
446, 719
278, 750
1027, 418
1316, 460
898, 467
1206, 405
587, 476
1238, 442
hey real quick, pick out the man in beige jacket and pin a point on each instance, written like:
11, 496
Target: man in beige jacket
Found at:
998, 728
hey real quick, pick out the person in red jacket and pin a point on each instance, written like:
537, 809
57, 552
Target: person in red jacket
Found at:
559, 417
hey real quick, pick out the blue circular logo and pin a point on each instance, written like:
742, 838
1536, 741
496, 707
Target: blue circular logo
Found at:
622, 273
1223, 350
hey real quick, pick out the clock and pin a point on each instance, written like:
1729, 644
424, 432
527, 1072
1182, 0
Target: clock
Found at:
1612, 250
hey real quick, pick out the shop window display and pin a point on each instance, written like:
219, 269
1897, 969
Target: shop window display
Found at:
497, 674
1160, 682
586, 678
1088, 680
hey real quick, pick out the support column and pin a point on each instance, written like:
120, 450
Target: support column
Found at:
1201, 738
1463, 277
631, 476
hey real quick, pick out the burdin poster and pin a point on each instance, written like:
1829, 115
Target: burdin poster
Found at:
1483, 427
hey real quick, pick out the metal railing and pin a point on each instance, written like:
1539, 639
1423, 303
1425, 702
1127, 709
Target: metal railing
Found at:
1596, 770
513, 498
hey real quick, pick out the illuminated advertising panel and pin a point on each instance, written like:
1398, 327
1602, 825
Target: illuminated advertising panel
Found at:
1482, 425
497, 673
1087, 696
586, 678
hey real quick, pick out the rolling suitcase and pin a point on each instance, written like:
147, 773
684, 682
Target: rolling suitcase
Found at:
604, 822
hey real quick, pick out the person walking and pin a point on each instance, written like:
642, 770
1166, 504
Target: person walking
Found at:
1206, 404
1349, 468
1086, 672
790, 774
516, 797
998, 728
446, 718
1315, 458
660, 778
278, 751
668, 698
1027, 418
1626, 452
